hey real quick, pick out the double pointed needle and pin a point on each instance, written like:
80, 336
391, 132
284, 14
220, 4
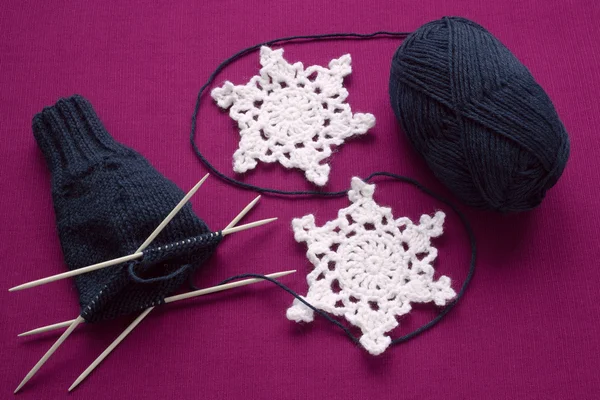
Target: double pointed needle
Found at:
171, 299
74, 323
50, 351
79, 319
230, 228
119, 260
47, 328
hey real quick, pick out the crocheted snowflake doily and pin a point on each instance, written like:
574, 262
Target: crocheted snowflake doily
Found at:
292, 115
369, 267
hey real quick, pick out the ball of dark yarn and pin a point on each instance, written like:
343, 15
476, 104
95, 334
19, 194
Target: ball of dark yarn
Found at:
485, 127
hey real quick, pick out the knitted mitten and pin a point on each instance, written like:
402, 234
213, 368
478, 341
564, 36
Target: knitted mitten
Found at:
107, 200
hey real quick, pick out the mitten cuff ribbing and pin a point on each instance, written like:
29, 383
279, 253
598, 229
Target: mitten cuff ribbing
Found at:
71, 135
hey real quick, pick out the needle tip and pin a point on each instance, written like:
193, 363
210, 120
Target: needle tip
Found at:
28, 333
200, 182
20, 386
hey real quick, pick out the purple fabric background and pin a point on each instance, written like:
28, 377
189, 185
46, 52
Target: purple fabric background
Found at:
527, 328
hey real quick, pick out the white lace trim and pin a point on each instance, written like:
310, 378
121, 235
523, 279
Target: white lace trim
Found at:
370, 267
292, 115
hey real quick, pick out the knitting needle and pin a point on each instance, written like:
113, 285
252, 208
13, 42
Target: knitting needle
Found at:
119, 260
228, 230
66, 323
80, 319
139, 253
254, 224
242, 213
171, 299
172, 214
76, 272
46, 328
49, 353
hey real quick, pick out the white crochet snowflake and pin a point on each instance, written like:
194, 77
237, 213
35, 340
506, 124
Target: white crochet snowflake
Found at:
369, 267
292, 115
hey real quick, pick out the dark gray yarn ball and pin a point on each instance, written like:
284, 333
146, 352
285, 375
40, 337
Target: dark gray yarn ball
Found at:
485, 127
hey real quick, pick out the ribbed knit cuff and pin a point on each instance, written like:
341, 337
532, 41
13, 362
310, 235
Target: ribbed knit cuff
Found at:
71, 135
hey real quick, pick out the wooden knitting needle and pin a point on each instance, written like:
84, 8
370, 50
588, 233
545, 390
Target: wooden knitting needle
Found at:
171, 299
227, 230
231, 228
47, 328
119, 260
80, 319
76, 272
123, 259
242, 213
254, 224
50, 351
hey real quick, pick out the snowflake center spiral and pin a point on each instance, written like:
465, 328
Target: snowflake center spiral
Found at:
374, 265
295, 104
293, 113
